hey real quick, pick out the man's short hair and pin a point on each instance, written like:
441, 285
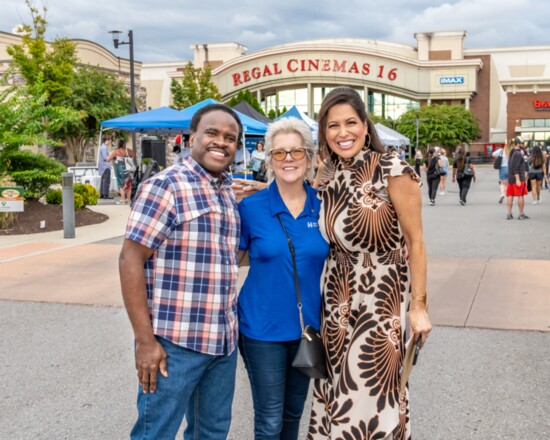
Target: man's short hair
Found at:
196, 119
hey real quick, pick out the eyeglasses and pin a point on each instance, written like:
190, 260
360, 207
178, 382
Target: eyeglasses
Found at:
296, 154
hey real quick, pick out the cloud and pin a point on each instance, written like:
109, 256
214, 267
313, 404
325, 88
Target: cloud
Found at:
164, 29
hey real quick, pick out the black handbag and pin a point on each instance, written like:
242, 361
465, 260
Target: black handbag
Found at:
498, 161
310, 357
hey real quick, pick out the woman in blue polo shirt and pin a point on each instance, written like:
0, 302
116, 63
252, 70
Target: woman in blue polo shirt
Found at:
268, 314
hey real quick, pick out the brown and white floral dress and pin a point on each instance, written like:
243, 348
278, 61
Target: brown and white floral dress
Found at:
366, 288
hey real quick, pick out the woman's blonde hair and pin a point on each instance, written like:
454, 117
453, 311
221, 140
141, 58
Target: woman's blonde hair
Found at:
286, 126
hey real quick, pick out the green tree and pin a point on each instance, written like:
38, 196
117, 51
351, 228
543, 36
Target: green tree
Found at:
35, 61
249, 97
275, 113
388, 122
25, 118
195, 86
96, 96
440, 124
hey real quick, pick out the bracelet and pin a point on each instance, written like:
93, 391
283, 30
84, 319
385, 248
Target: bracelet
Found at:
422, 298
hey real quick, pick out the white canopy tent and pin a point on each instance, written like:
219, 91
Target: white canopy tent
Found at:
391, 138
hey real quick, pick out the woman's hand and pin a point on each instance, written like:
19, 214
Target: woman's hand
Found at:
419, 321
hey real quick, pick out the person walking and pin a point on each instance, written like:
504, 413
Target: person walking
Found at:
374, 280
536, 173
269, 317
433, 167
178, 273
104, 168
242, 159
418, 161
502, 153
119, 156
463, 173
258, 155
517, 186
445, 169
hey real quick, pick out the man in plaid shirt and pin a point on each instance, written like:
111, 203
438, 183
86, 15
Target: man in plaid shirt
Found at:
178, 272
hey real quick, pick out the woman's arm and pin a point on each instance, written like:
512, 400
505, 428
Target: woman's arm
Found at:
406, 198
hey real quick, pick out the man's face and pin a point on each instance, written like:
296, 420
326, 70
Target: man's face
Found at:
214, 143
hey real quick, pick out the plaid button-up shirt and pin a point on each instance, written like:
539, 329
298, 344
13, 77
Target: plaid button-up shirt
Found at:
192, 222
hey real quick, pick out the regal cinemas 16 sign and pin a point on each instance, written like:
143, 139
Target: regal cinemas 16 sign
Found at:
541, 105
295, 65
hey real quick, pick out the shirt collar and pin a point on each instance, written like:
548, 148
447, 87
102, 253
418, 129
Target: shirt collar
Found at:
225, 180
277, 206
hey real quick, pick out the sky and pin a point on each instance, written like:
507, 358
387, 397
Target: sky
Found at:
164, 30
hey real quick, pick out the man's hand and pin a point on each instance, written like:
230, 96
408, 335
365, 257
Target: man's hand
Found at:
244, 187
150, 358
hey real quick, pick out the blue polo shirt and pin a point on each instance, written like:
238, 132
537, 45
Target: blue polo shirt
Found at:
267, 301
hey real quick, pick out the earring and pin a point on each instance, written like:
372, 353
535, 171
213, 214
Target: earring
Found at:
367, 142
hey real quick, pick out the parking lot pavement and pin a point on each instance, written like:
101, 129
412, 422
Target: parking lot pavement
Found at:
68, 373
66, 349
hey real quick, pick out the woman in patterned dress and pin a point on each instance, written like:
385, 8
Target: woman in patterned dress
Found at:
375, 273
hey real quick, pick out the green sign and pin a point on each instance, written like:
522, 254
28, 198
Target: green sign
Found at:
12, 199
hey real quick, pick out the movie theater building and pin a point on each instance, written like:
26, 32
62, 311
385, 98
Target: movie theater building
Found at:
507, 89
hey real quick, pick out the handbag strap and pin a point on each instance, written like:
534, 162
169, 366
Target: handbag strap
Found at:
295, 268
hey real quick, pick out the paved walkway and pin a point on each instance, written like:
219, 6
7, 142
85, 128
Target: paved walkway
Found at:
465, 291
66, 353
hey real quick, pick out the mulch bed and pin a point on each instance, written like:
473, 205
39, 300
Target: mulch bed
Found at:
28, 222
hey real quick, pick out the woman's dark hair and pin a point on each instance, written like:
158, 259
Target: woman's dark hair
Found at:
121, 143
346, 95
460, 160
537, 159
196, 119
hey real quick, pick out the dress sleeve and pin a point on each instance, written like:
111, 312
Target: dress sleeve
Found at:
393, 166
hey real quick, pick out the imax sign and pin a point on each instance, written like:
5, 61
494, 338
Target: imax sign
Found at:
451, 80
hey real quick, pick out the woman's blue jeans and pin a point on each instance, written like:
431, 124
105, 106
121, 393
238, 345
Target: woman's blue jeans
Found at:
199, 386
279, 391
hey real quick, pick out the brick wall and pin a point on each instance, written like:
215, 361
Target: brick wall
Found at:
479, 105
520, 106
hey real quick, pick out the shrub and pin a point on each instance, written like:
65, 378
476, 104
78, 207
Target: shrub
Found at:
78, 202
89, 194
35, 172
7, 219
54, 197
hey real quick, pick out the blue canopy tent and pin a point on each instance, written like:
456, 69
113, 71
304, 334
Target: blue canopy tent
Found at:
295, 112
250, 125
161, 120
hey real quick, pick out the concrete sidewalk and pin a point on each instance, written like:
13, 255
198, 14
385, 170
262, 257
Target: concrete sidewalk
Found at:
464, 291
67, 355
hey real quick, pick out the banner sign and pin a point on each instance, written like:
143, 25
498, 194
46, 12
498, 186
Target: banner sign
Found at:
12, 199
451, 80
541, 105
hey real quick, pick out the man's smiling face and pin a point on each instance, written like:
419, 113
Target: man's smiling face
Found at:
214, 143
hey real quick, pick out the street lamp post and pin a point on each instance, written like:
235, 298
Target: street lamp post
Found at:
130, 43
417, 121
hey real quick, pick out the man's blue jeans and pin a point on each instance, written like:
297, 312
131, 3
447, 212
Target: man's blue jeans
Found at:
199, 386
279, 391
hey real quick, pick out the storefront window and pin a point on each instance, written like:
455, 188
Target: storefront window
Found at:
379, 104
